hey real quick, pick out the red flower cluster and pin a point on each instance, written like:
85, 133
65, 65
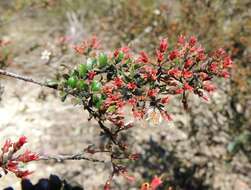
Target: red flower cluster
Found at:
86, 46
143, 82
144, 58
10, 162
186, 68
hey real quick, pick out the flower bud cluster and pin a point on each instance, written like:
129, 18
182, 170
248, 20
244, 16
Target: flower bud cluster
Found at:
107, 82
11, 161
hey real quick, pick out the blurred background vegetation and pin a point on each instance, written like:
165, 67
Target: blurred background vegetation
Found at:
218, 143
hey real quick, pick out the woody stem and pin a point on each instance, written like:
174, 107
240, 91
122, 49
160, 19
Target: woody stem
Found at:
26, 79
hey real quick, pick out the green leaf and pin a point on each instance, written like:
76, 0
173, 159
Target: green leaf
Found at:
132, 71
137, 66
128, 61
103, 60
96, 86
120, 57
72, 82
81, 85
82, 70
97, 101
74, 73
177, 61
111, 108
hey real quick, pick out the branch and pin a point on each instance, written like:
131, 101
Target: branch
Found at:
61, 158
26, 79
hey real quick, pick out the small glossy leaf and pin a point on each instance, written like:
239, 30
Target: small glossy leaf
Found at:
95, 86
121, 56
81, 85
72, 82
103, 60
97, 101
82, 70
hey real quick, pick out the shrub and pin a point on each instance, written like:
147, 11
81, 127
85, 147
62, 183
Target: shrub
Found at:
119, 88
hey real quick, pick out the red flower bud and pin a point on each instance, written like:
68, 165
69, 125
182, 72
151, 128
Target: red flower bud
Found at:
28, 156
118, 82
160, 56
125, 49
175, 72
22, 140
131, 86
12, 166
187, 74
174, 54
91, 75
213, 67
220, 52
163, 45
6, 146
164, 100
181, 39
201, 57
224, 74
208, 86
152, 92
94, 43
188, 87
80, 49
138, 113
179, 91
23, 174
144, 58
132, 101
188, 63
116, 53
227, 62
192, 41
203, 76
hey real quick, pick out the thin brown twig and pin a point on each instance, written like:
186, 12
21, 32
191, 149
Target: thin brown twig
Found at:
24, 78
61, 158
